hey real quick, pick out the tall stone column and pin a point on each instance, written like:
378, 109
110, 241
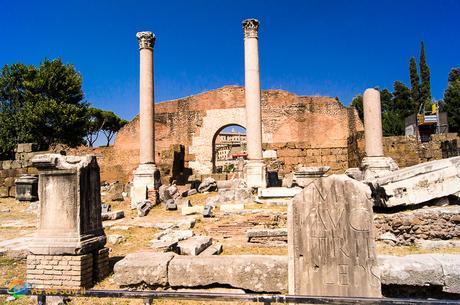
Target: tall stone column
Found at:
255, 170
144, 175
375, 164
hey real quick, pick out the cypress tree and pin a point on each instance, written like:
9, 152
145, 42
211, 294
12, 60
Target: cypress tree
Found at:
414, 82
425, 90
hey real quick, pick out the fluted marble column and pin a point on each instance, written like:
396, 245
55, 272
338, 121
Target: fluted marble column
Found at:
255, 171
374, 164
144, 176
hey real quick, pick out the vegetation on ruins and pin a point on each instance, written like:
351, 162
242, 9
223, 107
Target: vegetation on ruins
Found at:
451, 102
105, 122
45, 105
404, 101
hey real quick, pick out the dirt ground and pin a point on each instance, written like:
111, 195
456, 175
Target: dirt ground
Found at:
229, 230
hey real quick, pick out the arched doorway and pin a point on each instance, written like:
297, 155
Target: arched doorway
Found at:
228, 147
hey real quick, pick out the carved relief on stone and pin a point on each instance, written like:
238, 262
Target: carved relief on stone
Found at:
251, 28
146, 40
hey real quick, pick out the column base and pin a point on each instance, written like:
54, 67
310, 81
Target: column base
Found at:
374, 167
255, 174
146, 180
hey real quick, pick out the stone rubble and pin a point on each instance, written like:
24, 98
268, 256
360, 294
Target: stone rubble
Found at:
209, 184
194, 245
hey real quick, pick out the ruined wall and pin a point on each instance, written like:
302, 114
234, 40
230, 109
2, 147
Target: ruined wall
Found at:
406, 151
319, 126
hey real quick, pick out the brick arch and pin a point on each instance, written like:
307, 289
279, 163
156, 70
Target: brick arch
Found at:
202, 143
213, 154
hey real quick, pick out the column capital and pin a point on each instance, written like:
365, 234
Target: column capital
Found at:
146, 40
251, 28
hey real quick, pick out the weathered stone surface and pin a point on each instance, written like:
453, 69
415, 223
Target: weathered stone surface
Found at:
331, 243
164, 245
422, 270
207, 211
437, 244
173, 235
143, 208
231, 207
275, 192
171, 205
115, 239
417, 184
4, 192
143, 267
70, 205
235, 194
113, 215
261, 273
192, 192
208, 185
196, 209
194, 245
430, 223
262, 235
214, 249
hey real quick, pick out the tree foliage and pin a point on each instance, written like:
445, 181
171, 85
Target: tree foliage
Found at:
425, 89
451, 102
42, 105
357, 103
414, 81
45, 105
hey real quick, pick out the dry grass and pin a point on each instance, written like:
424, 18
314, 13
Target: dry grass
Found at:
407, 250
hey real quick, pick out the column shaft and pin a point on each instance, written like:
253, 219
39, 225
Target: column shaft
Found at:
146, 107
373, 123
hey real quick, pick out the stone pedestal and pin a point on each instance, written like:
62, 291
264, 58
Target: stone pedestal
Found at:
69, 237
373, 167
330, 240
145, 184
255, 173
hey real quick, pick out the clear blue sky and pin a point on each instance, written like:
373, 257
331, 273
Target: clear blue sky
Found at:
332, 48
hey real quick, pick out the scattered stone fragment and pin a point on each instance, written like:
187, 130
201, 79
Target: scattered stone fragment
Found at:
143, 208
262, 235
113, 215
388, 238
114, 191
192, 192
260, 273
194, 245
208, 185
150, 268
437, 244
173, 235
164, 245
213, 201
171, 205
163, 193
115, 239
231, 207
5, 210
207, 211
276, 192
105, 208
214, 249
197, 209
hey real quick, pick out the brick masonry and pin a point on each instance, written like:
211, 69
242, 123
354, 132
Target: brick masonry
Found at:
67, 271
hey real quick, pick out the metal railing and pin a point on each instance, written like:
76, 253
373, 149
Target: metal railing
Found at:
150, 296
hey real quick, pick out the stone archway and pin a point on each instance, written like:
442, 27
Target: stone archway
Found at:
202, 143
218, 132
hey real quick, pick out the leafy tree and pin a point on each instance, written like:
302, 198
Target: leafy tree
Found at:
357, 102
402, 100
386, 100
392, 124
96, 120
414, 81
43, 105
113, 124
451, 101
425, 89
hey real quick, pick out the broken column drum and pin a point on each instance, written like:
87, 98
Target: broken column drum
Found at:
145, 174
375, 163
255, 169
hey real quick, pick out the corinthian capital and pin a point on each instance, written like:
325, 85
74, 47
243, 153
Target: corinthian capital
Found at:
146, 40
250, 27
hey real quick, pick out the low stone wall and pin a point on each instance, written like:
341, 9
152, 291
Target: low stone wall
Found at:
294, 153
10, 170
406, 151
404, 228
269, 273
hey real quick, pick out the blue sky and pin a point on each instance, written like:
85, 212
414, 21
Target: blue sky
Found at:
332, 48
